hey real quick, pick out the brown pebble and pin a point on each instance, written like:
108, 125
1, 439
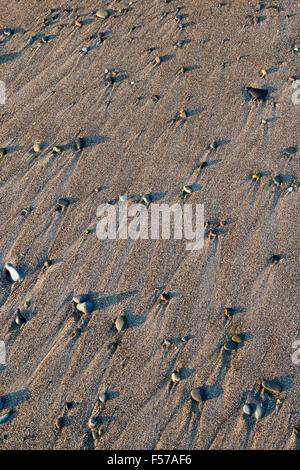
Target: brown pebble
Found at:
59, 423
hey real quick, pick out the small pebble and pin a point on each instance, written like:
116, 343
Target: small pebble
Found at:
237, 339
165, 297
230, 346
147, 199
15, 274
59, 423
175, 377
85, 307
198, 394
187, 189
247, 409
103, 14
78, 299
120, 322
19, 318
271, 386
103, 397
37, 148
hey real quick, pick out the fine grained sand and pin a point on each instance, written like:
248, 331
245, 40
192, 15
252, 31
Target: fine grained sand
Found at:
53, 90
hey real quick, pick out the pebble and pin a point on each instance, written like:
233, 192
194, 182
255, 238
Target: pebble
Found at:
165, 297
157, 60
3, 151
15, 274
56, 149
257, 93
59, 423
259, 411
85, 307
7, 32
237, 339
120, 322
5, 417
85, 49
79, 144
187, 189
103, 14
37, 148
182, 114
247, 409
78, 299
175, 377
228, 312
19, 318
198, 394
62, 204
103, 397
271, 385
230, 346
47, 263
296, 46
147, 199
275, 259
290, 151
277, 180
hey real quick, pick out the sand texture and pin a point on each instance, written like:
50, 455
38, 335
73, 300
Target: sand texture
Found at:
135, 145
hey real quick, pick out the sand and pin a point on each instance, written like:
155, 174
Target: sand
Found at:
55, 90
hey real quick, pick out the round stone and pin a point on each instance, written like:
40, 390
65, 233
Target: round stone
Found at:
271, 386
37, 147
198, 394
120, 322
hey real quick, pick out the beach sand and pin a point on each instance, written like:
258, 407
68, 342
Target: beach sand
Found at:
53, 90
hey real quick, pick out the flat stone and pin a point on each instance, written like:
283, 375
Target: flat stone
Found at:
103, 14
78, 299
271, 386
230, 346
85, 307
198, 394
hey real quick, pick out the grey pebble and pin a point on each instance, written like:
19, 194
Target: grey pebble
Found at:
78, 299
198, 394
85, 307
